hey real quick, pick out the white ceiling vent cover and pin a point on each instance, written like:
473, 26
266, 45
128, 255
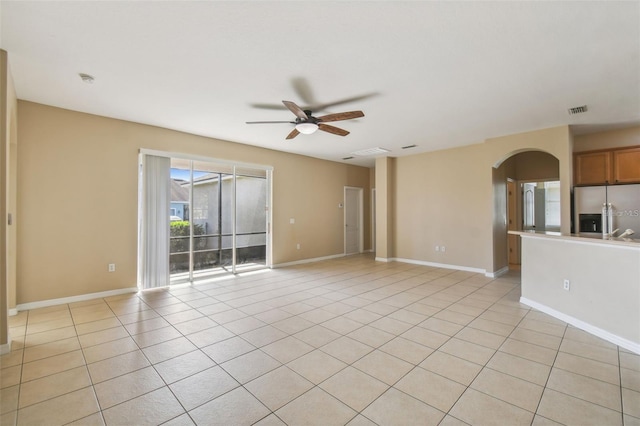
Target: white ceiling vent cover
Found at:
370, 151
577, 110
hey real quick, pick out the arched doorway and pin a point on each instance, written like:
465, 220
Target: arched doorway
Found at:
527, 196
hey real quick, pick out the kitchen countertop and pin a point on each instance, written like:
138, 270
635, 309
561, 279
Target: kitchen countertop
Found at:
582, 238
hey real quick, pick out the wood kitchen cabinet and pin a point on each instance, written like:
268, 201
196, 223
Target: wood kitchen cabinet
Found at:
592, 168
612, 166
626, 165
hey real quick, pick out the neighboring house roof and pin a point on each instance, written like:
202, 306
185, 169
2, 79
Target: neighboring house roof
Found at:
179, 194
209, 177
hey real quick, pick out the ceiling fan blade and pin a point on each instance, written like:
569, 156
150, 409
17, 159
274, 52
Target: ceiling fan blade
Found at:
269, 122
305, 95
332, 129
296, 110
279, 107
341, 116
303, 89
293, 134
321, 107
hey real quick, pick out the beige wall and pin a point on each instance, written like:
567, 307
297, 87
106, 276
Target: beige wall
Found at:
609, 139
443, 198
77, 177
500, 218
454, 198
531, 166
535, 165
385, 195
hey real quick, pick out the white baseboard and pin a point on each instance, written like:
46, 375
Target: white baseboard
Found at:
382, 259
439, 265
5, 348
303, 261
73, 299
603, 334
13, 311
497, 273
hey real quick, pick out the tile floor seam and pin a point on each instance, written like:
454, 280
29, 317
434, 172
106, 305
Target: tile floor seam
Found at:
21, 372
621, 411
95, 395
203, 403
422, 402
269, 409
63, 394
502, 400
140, 349
493, 355
622, 408
315, 386
587, 358
590, 377
549, 375
129, 372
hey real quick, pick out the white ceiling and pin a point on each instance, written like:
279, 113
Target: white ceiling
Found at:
440, 74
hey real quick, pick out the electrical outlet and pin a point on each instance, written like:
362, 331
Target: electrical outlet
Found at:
298, 246
437, 248
566, 285
443, 249
112, 267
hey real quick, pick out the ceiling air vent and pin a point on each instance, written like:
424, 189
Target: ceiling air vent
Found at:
370, 151
348, 158
577, 110
409, 146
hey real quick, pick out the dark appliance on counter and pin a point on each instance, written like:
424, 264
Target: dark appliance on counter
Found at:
590, 223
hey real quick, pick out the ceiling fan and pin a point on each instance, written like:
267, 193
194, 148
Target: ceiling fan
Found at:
307, 124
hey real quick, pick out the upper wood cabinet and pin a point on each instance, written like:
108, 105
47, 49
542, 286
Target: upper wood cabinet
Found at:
592, 168
611, 166
626, 165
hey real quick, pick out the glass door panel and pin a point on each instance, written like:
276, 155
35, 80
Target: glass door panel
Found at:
212, 209
179, 226
251, 220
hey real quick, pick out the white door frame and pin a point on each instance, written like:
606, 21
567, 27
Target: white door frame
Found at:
360, 218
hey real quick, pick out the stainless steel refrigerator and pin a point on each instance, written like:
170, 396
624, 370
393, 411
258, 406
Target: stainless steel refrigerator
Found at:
605, 209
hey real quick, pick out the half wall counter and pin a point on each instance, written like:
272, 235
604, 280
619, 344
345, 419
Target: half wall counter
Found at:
590, 283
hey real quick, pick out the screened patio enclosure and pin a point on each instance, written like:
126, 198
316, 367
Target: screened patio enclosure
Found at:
217, 219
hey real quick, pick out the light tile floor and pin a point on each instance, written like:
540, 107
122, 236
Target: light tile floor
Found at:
346, 341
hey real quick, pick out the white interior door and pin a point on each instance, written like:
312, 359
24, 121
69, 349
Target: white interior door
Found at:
352, 220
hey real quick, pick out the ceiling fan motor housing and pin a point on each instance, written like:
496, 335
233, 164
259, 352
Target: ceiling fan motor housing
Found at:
307, 124
310, 118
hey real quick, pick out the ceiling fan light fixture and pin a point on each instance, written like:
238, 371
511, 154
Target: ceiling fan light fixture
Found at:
306, 128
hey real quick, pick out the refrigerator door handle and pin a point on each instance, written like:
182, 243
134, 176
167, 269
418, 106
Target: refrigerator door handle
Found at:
609, 219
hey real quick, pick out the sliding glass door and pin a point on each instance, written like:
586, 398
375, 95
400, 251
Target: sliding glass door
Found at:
218, 219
